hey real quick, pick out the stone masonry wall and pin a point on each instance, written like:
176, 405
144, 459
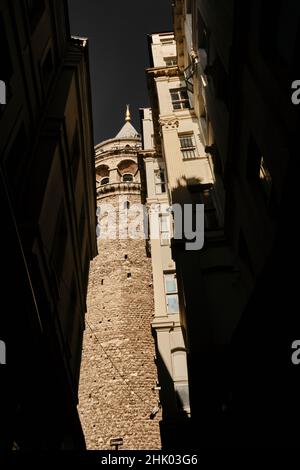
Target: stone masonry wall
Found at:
118, 372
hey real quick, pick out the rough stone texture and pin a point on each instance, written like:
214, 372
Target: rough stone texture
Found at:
118, 372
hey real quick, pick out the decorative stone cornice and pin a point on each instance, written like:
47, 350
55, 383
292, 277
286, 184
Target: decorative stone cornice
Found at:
165, 323
148, 153
118, 188
163, 71
119, 152
169, 123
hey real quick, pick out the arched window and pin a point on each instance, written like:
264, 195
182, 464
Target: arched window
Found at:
127, 178
104, 181
102, 174
126, 205
127, 170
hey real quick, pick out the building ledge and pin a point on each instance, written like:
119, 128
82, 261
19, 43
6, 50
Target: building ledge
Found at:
117, 150
111, 188
166, 322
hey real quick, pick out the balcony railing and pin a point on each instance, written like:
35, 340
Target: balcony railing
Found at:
119, 187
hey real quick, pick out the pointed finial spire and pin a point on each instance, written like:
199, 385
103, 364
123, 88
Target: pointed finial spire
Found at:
128, 116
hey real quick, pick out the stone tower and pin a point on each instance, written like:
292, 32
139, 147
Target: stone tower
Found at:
117, 395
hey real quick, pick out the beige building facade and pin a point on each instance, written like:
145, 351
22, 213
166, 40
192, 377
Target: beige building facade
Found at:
176, 125
179, 171
118, 385
211, 290
171, 352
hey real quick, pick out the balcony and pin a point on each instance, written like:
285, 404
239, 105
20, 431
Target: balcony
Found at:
118, 187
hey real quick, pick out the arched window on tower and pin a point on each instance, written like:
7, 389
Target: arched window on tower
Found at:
102, 174
127, 178
104, 181
127, 170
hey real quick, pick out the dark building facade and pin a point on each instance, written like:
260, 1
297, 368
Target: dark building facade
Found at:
48, 234
239, 60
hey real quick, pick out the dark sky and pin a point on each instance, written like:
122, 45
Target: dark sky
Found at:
117, 32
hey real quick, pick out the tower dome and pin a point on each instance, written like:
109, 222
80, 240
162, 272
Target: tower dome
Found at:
127, 137
128, 131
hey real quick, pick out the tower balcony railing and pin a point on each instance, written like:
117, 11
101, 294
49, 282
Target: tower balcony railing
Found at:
119, 187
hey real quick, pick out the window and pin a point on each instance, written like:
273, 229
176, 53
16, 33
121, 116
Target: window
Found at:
102, 171
35, 10
182, 397
127, 167
210, 214
181, 388
164, 229
104, 181
127, 178
187, 146
180, 98
203, 194
126, 205
170, 61
171, 293
160, 181
166, 40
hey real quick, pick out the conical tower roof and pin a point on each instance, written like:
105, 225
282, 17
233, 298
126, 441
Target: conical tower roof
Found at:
127, 131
